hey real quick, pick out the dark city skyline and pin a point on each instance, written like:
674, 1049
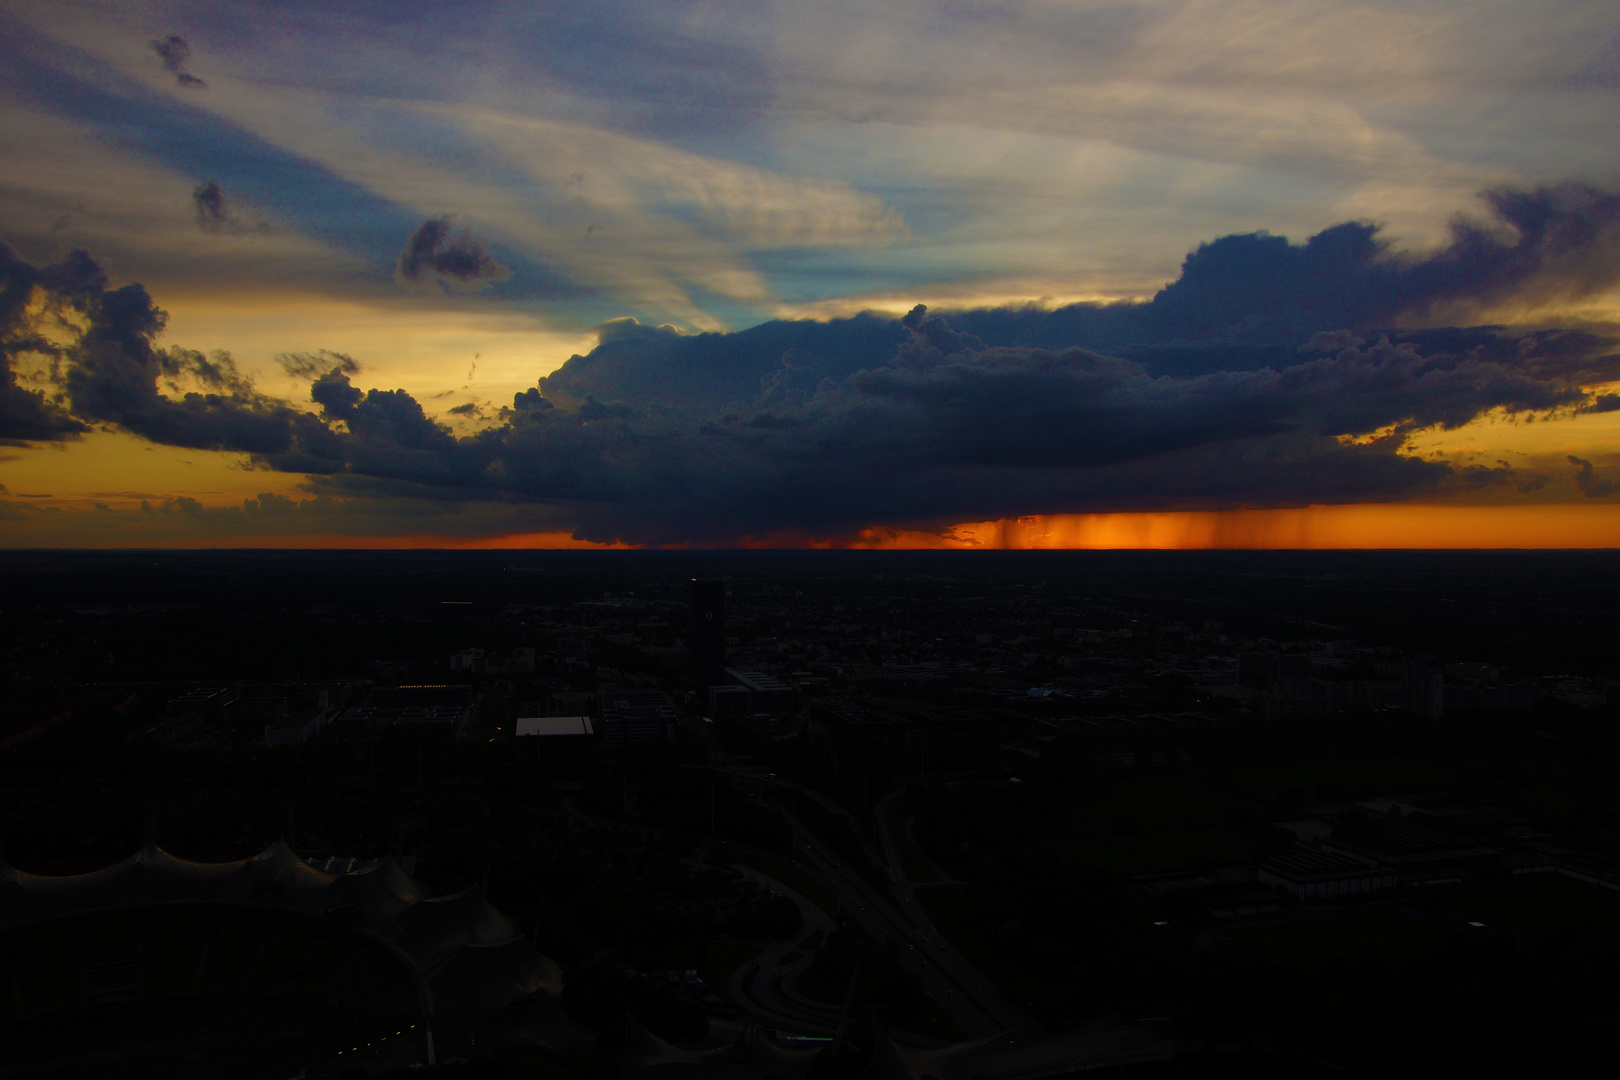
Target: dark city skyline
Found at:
846, 814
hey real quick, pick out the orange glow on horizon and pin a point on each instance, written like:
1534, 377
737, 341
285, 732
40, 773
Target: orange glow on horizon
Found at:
1364, 525
1360, 526
545, 541
1371, 525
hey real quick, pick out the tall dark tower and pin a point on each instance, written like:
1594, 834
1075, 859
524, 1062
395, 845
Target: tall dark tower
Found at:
708, 634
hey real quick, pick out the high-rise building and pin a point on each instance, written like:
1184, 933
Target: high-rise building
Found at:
708, 635
1422, 688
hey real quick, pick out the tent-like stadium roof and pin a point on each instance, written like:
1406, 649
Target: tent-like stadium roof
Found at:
469, 957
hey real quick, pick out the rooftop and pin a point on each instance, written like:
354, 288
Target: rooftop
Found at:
1302, 863
554, 725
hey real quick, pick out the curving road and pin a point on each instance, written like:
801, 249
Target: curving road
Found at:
765, 986
975, 1004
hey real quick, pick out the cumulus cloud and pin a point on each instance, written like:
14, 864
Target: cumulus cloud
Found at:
174, 51
455, 259
953, 429
1241, 302
1558, 242
26, 414
111, 370
1267, 374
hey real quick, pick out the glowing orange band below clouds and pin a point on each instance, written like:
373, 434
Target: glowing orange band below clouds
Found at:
1590, 525
1370, 525
1386, 525
1389, 525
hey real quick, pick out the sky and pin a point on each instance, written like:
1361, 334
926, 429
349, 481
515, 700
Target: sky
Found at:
924, 273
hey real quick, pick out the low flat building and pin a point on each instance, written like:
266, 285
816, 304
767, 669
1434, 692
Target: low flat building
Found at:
257, 710
750, 693
298, 727
1596, 866
864, 724
768, 693
421, 695
208, 702
1313, 874
425, 721
548, 726
1242, 905
171, 730
435, 712
1416, 852
730, 701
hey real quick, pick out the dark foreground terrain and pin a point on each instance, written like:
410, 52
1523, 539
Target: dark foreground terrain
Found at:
989, 814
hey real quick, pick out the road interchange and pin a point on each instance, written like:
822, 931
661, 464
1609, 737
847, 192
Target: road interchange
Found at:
973, 1003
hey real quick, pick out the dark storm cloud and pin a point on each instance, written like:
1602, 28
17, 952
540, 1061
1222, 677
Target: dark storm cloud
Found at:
1557, 241
110, 371
215, 214
950, 429
387, 435
455, 259
1258, 378
1243, 299
1241, 303
174, 51
26, 414
712, 370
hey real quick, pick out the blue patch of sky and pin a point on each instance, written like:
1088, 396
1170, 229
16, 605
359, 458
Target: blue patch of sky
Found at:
196, 143
621, 65
294, 191
661, 79
733, 313
813, 275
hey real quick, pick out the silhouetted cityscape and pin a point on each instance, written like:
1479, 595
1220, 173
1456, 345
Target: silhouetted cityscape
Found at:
827, 815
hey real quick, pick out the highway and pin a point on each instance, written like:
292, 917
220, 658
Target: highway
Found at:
975, 1004
1023, 1051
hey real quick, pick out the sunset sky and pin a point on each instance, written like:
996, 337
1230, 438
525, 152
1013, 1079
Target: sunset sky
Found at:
926, 273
